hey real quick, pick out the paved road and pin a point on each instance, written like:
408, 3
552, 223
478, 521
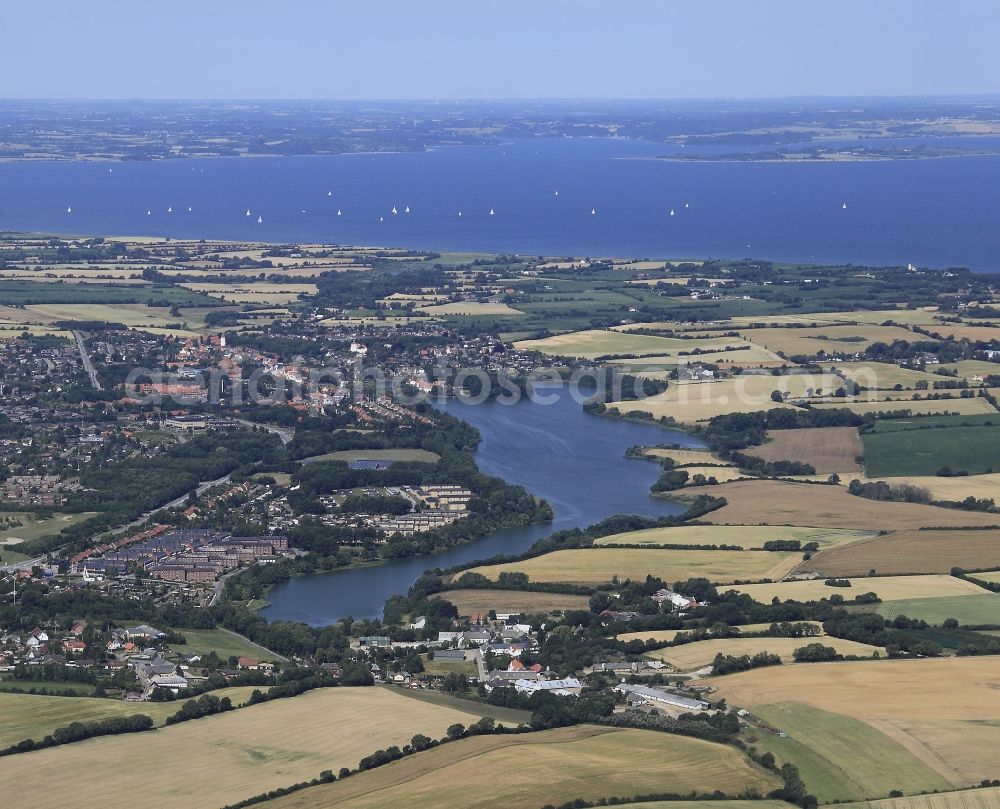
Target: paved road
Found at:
284, 433
87, 365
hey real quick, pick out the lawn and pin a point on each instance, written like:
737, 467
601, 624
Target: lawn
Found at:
513, 601
746, 536
834, 754
28, 716
910, 552
436, 666
775, 502
691, 656
548, 767
32, 528
220, 760
398, 454
597, 565
888, 588
225, 644
974, 449
976, 609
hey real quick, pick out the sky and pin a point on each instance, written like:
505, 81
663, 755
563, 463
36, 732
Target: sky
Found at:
435, 49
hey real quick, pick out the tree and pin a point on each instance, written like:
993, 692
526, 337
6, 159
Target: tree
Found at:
456, 731
777, 397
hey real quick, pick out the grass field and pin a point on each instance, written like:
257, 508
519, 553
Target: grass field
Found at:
975, 609
884, 375
888, 588
466, 667
846, 339
398, 454
963, 799
746, 536
596, 565
945, 711
670, 634
691, 656
974, 449
262, 292
775, 502
593, 343
223, 642
551, 766
27, 716
513, 601
128, 314
32, 528
215, 761
834, 754
827, 449
910, 552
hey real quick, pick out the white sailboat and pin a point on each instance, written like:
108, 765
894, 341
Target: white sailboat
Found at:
149, 213
394, 211
329, 193
593, 211
685, 205
671, 211
260, 220
491, 212
844, 206
557, 192
338, 211
381, 219
69, 209
459, 213
406, 209
170, 209
189, 209
248, 212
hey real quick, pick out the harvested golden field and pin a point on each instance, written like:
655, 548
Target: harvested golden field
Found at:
512, 601
963, 407
741, 352
965, 331
845, 339
947, 488
884, 375
211, 762
135, 315
667, 635
597, 565
888, 588
262, 292
30, 716
746, 536
722, 474
691, 656
777, 502
684, 457
699, 401
945, 711
551, 766
470, 308
921, 317
964, 799
828, 449
910, 552
593, 343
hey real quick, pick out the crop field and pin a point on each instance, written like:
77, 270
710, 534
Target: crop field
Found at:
834, 754
964, 331
691, 656
669, 634
963, 407
128, 314
945, 711
683, 457
223, 642
967, 369
847, 339
923, 452
596, 565
746, 536
32, 528
828, 449
513, 601
262, 292
884, 375
980, 486
775, 502
396, 454
218, 760
920, 317
598, 342
963, 799
910, 552
473, 308
29, 716
888, 588
551, 766
976, 609
742, 353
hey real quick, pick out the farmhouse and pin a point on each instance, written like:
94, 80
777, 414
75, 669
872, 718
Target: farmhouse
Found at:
568, 687
642, 694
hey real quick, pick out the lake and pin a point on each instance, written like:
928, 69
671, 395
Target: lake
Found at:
556, 451
932, 212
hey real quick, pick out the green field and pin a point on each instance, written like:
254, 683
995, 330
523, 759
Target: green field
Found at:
923, 452
225, 644
466, 667
836, 755
80, 689
973, 610
33, 527
27, 716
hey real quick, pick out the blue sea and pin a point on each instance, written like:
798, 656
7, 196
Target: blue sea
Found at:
614, 199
